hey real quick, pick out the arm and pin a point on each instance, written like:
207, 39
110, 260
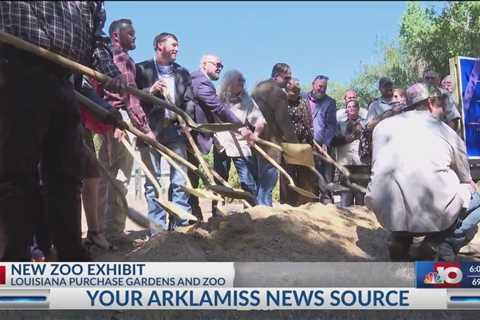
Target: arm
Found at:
132, 103
330, 122
207, 95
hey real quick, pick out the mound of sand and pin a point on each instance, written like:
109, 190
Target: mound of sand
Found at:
313, 232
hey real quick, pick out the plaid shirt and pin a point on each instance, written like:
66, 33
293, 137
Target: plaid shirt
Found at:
126, 65
69, 28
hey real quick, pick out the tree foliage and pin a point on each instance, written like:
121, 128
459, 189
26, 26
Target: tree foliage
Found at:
430, 39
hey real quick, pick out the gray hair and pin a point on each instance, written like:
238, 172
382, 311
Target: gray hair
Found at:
229, 78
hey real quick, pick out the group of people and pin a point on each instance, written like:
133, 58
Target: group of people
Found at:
45, 137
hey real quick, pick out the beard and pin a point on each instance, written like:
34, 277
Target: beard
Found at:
317, 95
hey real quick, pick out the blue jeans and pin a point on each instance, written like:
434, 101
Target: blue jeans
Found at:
246, 169
173, 140
267, 176
468, 226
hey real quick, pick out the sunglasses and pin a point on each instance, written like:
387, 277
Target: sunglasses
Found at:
216, 64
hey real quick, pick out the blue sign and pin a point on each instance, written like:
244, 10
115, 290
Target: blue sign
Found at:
469, 76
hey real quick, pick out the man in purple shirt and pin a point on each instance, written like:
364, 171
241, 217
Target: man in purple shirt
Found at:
324, 117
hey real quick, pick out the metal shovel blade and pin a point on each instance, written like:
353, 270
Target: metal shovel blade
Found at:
232, 193
216, 127
303, 192
202, 193
298, 153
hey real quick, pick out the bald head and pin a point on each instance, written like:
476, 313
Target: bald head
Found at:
212, 66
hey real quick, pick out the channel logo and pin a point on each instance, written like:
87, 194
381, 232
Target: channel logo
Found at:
444, 275
3, 274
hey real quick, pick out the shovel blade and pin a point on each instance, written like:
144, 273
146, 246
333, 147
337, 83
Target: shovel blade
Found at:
202, 193
298, 153
216, 127
231, 193
304, 192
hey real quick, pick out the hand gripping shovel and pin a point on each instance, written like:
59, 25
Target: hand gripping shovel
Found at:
225, 190
325, 156
291, 183
299, 154
105, 116
79, 68
167, 205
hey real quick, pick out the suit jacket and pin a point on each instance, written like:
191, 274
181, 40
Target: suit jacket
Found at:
273, 103
146, 77
208, 108
324, 116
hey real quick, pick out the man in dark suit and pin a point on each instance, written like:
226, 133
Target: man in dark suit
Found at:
272, 100
208, 109
164, 78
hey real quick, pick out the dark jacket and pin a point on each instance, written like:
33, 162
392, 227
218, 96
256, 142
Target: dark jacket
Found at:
324, 116
147, 76
208, 108
272, 101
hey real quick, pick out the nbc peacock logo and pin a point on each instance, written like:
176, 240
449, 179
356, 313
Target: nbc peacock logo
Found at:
445, 275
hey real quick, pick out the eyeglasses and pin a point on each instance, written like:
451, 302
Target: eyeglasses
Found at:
219, 65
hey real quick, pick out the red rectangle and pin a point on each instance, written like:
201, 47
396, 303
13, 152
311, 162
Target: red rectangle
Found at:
3, 277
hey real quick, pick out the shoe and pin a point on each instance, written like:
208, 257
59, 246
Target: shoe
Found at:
99, 240
37, 255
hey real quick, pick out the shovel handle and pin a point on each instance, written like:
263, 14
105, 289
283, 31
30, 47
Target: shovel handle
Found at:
79, 68
274, 163
325, 156
169, 207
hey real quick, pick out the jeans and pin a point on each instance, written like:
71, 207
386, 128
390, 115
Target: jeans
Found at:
468, 226
267, 176
246, 170
174, 141
450, 241
349, 198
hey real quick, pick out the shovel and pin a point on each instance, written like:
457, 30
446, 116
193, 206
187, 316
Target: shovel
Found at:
136, 217
325, 156
104, 115
212, 185
291, 183
167, 205
79, 68
296, 153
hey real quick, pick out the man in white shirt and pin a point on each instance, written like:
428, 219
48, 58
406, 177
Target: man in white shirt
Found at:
421, 181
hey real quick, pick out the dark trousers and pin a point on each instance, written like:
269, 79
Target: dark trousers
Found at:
303, 178
39, 123
195, 180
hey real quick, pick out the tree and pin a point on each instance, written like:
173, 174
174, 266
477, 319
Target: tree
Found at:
430, 39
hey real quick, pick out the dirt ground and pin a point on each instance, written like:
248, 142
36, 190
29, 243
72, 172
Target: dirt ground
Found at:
312, 232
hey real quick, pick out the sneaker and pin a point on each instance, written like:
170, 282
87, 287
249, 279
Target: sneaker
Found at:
37, 255
99, 240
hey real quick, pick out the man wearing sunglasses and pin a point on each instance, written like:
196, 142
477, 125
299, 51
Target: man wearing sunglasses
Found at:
208, 109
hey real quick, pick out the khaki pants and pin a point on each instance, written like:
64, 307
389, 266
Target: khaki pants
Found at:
113, 155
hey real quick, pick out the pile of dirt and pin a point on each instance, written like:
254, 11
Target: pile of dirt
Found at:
313, 232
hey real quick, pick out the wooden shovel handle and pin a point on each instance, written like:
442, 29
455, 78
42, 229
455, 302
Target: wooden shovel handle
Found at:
79, 68
274, 163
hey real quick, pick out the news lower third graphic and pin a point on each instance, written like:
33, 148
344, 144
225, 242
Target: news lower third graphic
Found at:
239, 286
